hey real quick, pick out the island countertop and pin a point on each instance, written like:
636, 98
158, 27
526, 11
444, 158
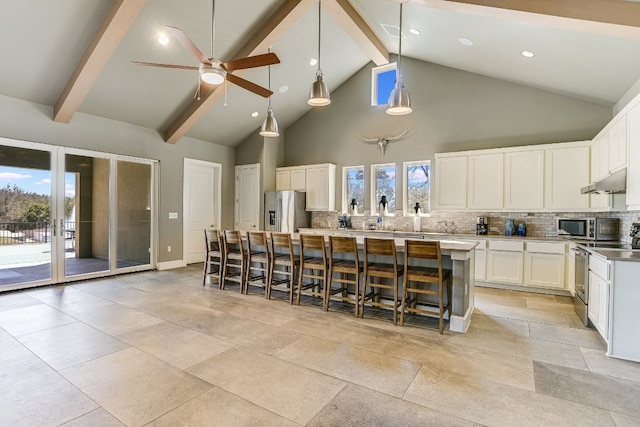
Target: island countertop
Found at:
448, 243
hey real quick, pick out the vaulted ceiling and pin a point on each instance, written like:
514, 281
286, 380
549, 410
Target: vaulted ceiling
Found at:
75, 55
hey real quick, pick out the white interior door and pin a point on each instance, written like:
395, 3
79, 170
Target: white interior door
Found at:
201, 205
247, 209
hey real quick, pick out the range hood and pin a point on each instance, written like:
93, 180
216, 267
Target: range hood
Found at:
613, 183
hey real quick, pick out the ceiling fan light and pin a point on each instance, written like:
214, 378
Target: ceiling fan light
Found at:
212, 74
319, 94
270, 125
399, 100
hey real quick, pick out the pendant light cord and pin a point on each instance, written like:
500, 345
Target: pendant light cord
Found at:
400, 47
319, 30
269, 77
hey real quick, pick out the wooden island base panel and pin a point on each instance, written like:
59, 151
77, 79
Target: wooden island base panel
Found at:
459, 256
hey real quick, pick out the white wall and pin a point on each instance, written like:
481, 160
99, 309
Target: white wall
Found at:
453, 110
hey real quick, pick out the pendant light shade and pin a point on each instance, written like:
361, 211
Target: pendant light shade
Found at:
319, 94
399, 100
270, 124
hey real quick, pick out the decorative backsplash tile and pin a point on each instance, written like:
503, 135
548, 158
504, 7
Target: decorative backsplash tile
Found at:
538, 224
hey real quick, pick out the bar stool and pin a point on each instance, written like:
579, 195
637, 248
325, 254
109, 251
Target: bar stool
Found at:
415, 275
313, 266
343, 259
235, 260
376, 270
283, 264
258, 261
214, 259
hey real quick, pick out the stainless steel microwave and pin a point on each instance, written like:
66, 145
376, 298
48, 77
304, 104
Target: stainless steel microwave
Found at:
589, 228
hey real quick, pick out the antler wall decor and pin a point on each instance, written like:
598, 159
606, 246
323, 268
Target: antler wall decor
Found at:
382, 141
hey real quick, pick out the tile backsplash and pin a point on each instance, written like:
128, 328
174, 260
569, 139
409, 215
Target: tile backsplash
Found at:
539, 224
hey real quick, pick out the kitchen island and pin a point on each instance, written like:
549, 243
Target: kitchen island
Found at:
614, 298
457, 255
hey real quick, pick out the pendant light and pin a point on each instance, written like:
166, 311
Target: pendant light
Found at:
319, 94
399, 100
270, 124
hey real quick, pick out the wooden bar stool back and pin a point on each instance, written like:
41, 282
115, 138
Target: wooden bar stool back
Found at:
213, 259
258, 261
313, 266
283, 264
425, 280
235, 260
344, 261
380, 266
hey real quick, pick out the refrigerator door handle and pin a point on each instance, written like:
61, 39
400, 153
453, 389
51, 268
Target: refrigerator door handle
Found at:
279, 215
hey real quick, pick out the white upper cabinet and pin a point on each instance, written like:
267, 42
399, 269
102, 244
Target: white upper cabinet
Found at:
321, 184
451, 182
485, 181
633, 169
618, 144
524, 180
566, 171
291, 178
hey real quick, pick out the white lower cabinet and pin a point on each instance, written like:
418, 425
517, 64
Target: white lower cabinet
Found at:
505, 262
481, 264
598, 307
544, 265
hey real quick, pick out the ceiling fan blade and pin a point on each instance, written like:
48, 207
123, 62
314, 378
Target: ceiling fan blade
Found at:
155, 64
251, 87
252, 62
186, 42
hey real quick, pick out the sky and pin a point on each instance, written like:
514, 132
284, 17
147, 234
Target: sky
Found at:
34, 180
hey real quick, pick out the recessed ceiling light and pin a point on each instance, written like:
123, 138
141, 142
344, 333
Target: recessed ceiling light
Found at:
283, 88
465, 41
528, 54
163, 39
254, 114
414, 31
313, 61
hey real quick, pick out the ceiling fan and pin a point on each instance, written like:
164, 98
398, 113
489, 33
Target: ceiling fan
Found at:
214, 71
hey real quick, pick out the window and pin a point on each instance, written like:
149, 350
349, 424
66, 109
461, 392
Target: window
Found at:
417, 186
383, 79
352, 188
383, 178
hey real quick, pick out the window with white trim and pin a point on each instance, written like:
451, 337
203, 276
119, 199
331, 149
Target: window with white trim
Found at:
417, 186
383, 79
383, 183
353, 188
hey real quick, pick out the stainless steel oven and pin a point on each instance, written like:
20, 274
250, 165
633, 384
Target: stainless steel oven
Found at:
581, 298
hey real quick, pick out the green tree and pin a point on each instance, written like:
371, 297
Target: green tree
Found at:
35, 213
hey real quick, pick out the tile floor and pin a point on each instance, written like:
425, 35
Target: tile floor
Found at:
158, 348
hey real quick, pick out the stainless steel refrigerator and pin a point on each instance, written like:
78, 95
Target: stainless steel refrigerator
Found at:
284, 211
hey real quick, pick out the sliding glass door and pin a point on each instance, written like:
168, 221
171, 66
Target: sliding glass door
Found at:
26, 233
69, 214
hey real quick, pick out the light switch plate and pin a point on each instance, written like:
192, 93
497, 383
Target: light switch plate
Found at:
173, 215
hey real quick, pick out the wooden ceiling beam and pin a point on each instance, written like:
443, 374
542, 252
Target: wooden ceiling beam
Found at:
343, 12
265, 36
114, 26
617, 12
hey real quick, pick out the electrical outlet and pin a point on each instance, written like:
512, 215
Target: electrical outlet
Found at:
494, 229
173, 215
168, 248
